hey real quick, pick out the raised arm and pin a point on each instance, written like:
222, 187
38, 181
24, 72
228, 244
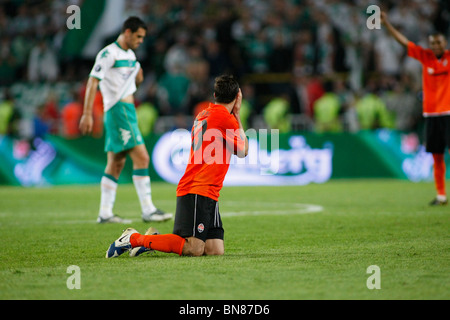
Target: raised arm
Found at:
393, 31
236, 112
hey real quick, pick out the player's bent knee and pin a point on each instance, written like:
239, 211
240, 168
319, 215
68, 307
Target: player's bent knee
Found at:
194, 251
194, 247
214, 252
214, 247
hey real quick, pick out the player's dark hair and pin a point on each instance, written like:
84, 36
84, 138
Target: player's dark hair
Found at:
133, 23
437, 34
225, 89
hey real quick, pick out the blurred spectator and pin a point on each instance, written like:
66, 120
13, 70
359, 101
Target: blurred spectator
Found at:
303, 55
277, 31
40, 126
311, 40
403, 104
388, 54
314, 90
173, 85
20, 50
48, 116
303, 92
324, 43
298, 96
197, 71
224, 17
71, 115
6, 112
280, 56
9, 116
279, 37
349, 116
4, 21
248, 109
276, 114
147, 116
177, 57
157, 57
244, 27
405, 17
42, 63
7, 62
327, 109
355, 43
199, 107
258, 51
22, 21
172, 92
372, 111
217, 60
97, 131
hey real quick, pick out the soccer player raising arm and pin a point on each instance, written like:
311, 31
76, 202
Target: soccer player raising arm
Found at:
436, 99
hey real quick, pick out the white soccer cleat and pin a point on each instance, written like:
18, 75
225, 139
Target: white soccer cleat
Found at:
113, 219
140, 250
121, 245
156, 216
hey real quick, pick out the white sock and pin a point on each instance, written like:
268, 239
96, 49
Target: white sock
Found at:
108, 197
441, 197
144, 191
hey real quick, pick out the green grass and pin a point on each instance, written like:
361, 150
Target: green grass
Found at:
279, 253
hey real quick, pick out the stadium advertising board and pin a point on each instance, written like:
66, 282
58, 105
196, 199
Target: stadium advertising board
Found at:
266, 163
274, 159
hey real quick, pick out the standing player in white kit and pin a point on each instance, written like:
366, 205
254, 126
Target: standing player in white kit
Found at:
118, 74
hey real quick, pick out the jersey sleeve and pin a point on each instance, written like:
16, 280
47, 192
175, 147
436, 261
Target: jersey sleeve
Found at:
234, 141
416, 52
103, 62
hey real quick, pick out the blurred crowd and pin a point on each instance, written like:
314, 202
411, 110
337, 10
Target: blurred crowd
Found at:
302, 64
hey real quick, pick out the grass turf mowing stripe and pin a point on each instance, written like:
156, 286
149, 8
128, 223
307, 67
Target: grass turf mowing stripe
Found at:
324, 255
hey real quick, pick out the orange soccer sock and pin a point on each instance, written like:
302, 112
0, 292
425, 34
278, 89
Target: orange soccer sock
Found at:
161, 242
439, 173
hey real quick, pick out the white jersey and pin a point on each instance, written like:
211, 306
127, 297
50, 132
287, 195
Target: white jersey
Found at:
116, 69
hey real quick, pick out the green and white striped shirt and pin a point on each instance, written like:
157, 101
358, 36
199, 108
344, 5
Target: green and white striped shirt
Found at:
116, 69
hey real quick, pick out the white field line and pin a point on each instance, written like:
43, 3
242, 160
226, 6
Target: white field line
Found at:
231, 210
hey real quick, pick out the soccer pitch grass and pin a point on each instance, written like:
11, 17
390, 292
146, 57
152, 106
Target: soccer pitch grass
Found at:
281, 243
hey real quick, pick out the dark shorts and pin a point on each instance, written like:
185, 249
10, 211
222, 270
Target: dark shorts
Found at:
198, 216
437, 134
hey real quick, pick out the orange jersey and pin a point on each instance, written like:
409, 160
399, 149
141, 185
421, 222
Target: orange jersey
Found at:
215, 137
435, 80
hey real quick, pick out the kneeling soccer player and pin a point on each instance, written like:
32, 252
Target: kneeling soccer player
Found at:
216, 134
